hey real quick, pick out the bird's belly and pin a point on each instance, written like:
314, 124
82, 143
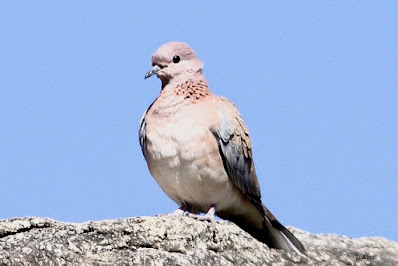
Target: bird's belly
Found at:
189, 169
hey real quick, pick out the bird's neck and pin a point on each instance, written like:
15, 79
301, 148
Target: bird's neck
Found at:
194, 85
173, 98
181, 79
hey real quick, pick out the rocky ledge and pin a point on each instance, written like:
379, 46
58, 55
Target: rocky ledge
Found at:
169, 240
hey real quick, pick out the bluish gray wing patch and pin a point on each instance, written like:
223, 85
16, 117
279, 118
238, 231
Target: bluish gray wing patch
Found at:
236, 157
141, 134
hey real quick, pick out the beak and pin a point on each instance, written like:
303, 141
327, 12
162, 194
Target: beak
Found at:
153, 71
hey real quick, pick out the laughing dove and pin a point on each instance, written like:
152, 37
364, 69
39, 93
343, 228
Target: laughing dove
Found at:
198, 149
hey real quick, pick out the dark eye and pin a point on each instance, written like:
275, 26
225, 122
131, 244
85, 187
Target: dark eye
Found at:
176, 59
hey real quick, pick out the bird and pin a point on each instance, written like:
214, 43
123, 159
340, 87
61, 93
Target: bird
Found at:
198, 150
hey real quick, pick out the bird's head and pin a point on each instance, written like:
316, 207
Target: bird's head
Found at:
174, 62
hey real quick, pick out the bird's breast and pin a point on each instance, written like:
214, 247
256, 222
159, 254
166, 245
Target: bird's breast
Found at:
183, 157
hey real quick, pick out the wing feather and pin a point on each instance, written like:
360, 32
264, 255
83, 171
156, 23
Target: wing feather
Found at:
142, 131
142, 134
236, 151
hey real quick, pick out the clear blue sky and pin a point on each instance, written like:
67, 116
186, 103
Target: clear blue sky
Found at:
315, 81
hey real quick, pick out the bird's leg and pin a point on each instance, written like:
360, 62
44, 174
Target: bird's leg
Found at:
209, 216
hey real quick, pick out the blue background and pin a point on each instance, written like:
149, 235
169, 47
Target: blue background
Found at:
315, 81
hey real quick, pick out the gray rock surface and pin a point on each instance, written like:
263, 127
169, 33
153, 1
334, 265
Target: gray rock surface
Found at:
169, 240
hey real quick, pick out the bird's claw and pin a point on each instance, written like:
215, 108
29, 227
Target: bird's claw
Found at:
209, 216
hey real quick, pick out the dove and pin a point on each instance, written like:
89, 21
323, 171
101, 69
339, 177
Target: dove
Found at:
198, 150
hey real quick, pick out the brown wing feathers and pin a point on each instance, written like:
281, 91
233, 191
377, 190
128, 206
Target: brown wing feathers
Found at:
235, 150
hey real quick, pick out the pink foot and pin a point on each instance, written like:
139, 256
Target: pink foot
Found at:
209, 216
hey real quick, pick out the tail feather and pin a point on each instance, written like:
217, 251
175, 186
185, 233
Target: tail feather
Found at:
280, 234
272, 232
275, 235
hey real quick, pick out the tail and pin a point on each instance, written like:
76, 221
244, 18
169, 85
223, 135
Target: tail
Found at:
275, 235
272, 232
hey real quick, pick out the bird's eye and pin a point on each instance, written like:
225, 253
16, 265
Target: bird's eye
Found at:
176, 59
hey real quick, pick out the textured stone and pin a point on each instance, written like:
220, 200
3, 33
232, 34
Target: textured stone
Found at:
170, 240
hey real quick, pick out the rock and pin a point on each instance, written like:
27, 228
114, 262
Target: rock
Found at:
170, 240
